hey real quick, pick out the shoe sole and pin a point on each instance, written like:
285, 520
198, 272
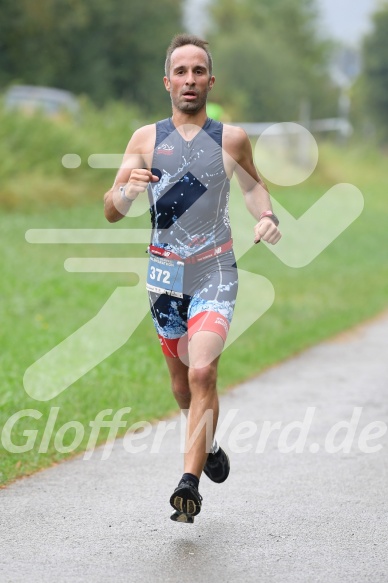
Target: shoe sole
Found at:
184, 503
182, 517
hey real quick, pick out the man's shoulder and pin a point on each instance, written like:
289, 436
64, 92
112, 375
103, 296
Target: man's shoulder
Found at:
145, 131
235, 141
148, 132
143, 138
234, 135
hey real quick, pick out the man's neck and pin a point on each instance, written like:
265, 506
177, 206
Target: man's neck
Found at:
180, 118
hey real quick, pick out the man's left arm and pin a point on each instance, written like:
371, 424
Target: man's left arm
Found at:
256, 195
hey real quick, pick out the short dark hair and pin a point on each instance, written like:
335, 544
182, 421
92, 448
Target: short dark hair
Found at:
181, 40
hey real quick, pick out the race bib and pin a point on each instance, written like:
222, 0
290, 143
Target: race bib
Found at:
165, 276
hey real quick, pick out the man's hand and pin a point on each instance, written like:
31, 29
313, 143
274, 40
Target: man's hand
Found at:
138, 182
266, 230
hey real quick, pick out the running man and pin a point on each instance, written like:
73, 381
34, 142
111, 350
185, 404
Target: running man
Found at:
185, 163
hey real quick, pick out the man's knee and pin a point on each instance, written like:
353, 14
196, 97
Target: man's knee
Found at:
204, 378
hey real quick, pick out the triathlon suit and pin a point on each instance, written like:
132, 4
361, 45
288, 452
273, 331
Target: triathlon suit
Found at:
190, 222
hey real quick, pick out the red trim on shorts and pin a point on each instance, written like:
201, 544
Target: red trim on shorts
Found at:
170, 346
202, 322
209, 322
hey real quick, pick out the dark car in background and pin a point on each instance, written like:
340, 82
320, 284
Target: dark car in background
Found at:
47, 100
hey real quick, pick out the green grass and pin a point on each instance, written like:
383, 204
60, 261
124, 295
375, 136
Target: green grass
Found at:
43, 304
32, 176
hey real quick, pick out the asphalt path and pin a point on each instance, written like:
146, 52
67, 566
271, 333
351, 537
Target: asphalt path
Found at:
315, 513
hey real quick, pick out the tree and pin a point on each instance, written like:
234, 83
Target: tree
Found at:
269, 58
375, 70
106, 49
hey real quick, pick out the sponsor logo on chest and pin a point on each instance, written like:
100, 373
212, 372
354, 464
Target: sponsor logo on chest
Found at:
165, 149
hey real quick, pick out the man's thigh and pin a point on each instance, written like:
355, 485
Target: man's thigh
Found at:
204, 349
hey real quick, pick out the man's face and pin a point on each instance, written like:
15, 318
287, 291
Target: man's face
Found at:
189, 81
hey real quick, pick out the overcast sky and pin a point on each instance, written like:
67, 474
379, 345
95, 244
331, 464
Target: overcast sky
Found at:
346, 20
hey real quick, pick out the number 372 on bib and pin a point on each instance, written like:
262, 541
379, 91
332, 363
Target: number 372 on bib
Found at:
165, 276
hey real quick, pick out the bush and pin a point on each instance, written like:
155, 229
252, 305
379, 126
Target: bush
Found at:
32, 148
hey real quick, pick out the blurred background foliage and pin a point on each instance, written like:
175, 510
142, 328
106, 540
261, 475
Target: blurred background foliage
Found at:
105, 49
374, 79
271, 61
269, 56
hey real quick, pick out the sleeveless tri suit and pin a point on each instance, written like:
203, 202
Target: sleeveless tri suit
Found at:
190, 231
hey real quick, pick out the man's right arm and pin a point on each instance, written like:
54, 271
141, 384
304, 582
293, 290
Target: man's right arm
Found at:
133, 176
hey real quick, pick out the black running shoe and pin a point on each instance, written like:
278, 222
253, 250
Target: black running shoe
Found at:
217, 466
186, 500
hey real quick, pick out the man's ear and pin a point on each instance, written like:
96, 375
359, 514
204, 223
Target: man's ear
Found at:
212, 80
167, 83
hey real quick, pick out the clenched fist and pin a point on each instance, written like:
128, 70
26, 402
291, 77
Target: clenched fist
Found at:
266, 230
138, 182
